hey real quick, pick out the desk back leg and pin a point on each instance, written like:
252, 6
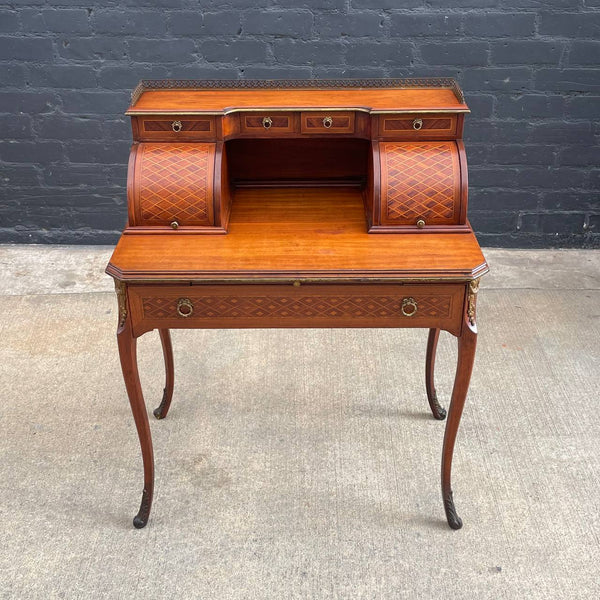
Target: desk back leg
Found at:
439, 412
163, 408
128, 355
467, 343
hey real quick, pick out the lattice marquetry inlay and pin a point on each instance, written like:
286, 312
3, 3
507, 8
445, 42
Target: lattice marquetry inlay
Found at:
175, 183
289, 307
421, 181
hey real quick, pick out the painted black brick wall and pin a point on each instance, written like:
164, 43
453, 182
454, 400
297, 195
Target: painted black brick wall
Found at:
529, 69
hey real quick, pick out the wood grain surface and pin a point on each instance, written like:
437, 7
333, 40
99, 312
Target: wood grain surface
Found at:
297, 232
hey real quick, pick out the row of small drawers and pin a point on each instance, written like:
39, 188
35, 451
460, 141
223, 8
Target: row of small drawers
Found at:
276, 124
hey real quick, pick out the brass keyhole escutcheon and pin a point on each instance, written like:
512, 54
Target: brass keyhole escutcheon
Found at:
417, 124
327, 122
409, 307
175, 224
267, 122
185, 308
421, 223
176, 126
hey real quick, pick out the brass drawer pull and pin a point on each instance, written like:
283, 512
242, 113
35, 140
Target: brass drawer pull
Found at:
409, 307
176, 126
327, 122
175, 224
417, 124
185, 308
421, 223
267, 122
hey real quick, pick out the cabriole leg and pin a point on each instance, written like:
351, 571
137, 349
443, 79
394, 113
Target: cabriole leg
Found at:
161, 411
467, 343
128, 354
439, 412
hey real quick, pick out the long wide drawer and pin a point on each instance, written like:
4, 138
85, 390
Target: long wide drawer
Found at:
307, 305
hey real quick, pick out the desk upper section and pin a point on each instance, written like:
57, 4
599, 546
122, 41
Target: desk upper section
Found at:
399, 140
223, 97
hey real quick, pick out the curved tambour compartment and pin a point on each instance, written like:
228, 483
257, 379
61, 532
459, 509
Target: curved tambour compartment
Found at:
401, 145
172, 185
422, 187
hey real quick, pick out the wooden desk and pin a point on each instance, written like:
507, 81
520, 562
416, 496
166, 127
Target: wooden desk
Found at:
285, 232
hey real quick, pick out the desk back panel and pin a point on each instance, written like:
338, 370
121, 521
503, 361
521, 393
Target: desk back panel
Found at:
298, 161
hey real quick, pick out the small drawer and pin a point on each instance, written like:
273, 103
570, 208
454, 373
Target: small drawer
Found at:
263, 123
175, 128
285, 305
417, 126
327, 122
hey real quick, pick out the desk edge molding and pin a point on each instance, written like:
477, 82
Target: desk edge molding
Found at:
283, 277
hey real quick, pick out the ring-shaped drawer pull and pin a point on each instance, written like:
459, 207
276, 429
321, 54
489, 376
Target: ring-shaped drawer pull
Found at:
417, 124
267, 122
176, 126
327, 122
185, 308
409, 307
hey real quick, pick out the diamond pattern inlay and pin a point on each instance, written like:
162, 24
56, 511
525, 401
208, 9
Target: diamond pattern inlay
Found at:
175, 183
421, 181
297, 306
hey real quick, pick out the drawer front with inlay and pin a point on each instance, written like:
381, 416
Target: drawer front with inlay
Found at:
267, 124
175, 128
306, 305
327, 122
417, 126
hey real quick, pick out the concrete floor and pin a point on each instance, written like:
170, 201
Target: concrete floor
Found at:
300, 464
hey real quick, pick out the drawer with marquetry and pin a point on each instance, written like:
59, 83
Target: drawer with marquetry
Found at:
297, 305
267, 124
419, 126
327, 122
177, 128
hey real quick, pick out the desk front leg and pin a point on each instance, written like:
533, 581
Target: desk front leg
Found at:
128, 354
467, 342
163, 408
439, 412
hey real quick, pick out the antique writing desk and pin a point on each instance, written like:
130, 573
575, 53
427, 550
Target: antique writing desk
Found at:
297, 204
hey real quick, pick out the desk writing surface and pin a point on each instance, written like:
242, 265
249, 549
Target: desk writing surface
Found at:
297, 232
